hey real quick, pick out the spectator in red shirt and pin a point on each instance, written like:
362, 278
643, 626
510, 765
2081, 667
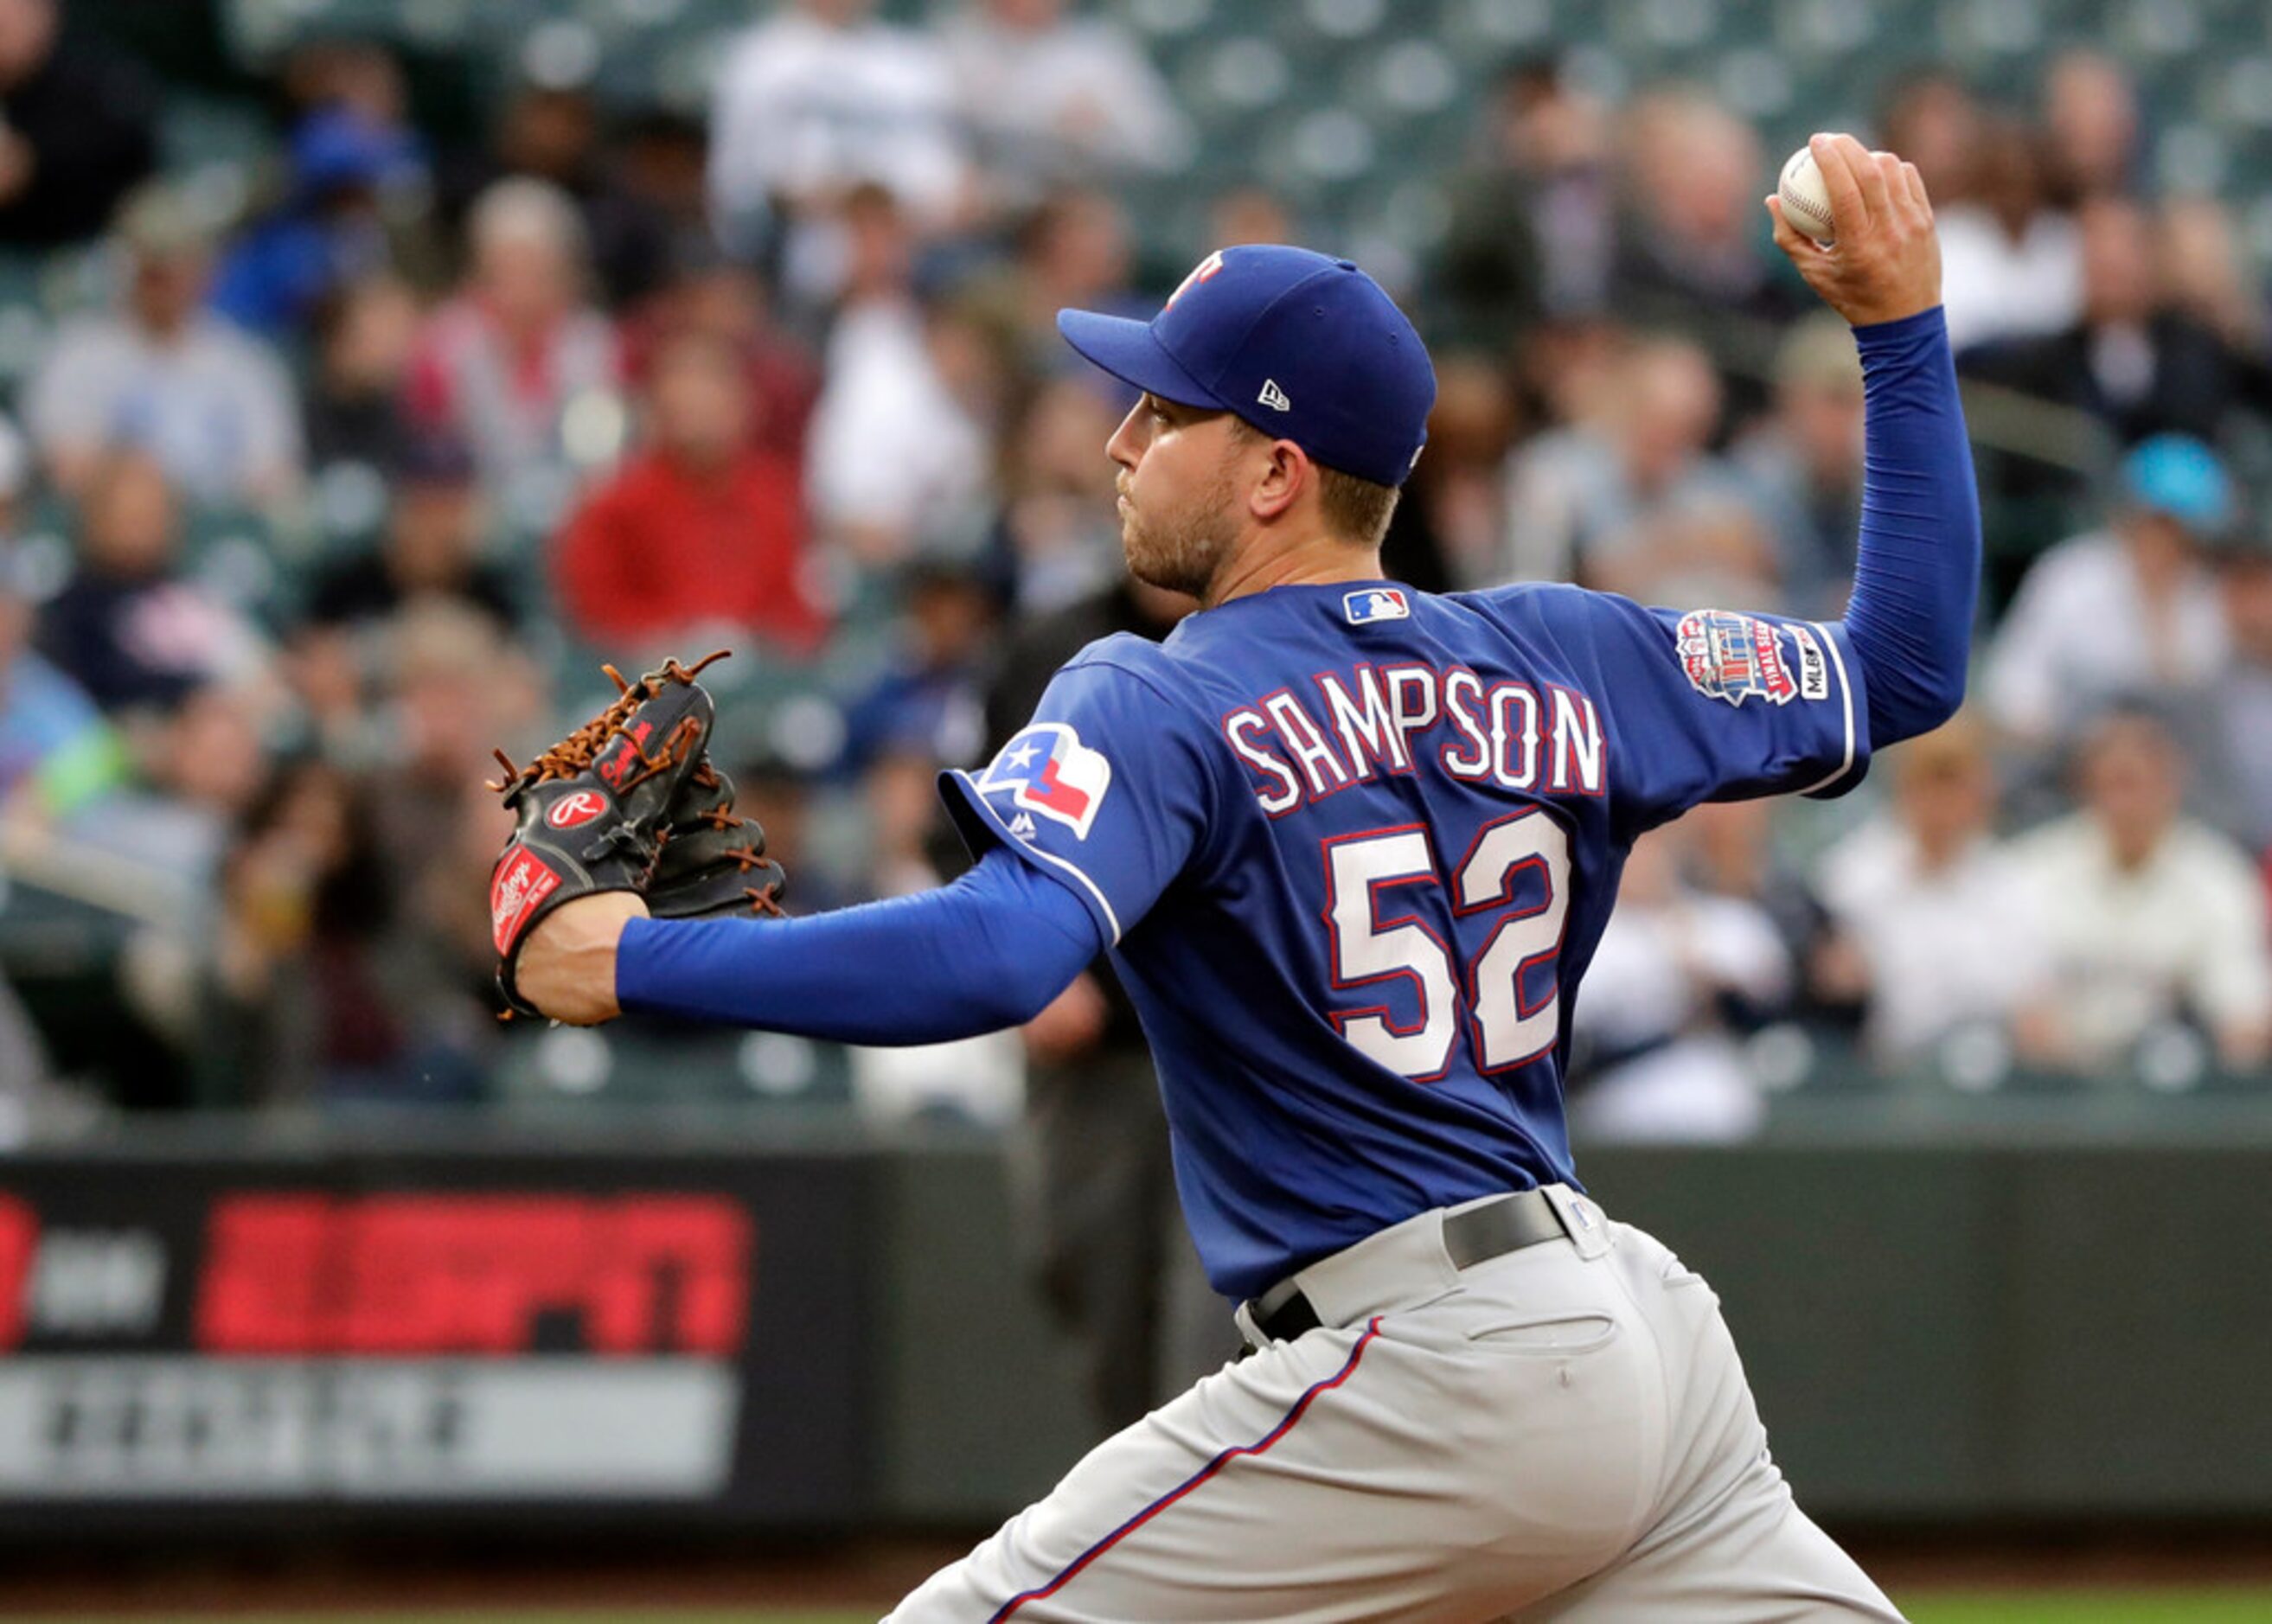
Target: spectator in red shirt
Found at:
699, 529
709, 293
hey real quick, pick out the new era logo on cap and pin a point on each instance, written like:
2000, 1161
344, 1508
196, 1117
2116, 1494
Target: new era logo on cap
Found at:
1273, 397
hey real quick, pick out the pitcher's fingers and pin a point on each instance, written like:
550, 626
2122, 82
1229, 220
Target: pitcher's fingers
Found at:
1897, 188
1850, 213
1890, 166
1790, 238
1870, 176
1914, 183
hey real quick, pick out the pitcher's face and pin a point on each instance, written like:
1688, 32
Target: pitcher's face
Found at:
1178, 496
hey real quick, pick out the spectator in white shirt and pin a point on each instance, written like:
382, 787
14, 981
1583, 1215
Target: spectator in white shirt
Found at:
2011, 266
899, 457
1933, 903
817, 98
2147, 918
1053, 98
2128, 610
163, 374
1661, 1064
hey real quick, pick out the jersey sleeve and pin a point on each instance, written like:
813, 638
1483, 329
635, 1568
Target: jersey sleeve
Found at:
1713, 704
1104, 790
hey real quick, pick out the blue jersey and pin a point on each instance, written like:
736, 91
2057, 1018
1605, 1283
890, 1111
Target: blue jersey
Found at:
1354, 846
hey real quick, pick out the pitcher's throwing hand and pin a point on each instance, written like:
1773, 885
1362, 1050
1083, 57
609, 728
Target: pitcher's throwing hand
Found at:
1886, 263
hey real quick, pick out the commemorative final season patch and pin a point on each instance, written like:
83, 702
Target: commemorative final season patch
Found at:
1734, 657
1047, 769
1376, 603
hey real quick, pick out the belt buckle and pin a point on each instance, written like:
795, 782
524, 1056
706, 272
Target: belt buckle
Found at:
1586, 1224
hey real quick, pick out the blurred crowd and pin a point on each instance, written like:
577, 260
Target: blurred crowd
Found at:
325, 493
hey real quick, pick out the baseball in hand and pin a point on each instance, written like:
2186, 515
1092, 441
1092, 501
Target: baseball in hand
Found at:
1806, 199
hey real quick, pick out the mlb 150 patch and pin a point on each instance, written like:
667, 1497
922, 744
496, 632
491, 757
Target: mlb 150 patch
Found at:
1048, 771
1736, 657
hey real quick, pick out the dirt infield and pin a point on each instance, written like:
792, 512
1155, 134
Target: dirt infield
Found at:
2002, 1607
2078, 1558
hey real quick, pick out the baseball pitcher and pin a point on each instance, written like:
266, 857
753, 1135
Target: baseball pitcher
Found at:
1352, 847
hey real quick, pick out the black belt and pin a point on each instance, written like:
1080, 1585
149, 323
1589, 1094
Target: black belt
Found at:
1472, 1236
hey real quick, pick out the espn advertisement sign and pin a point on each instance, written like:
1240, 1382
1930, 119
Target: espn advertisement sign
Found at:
540, 1331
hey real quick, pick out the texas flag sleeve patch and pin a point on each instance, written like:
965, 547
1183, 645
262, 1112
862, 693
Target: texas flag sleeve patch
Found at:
1047, 770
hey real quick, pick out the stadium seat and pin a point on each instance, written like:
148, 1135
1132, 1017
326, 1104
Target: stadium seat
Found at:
1493, 28
634, 1064
1755, 82
2191, 160
1165, 20
348, 506
1344, 20
255, 563
1825, 28
1238, 76
23, 340
20, 278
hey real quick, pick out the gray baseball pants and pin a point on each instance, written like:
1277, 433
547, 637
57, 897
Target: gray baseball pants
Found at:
1560, 1434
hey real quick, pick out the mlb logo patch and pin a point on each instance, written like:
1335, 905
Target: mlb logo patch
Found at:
1376, 603
1048, 771
1734, 657
1813, 670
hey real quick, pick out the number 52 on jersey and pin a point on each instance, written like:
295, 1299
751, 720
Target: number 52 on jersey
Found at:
1512, 884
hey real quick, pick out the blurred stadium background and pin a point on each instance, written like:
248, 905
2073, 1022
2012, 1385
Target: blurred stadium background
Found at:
373, 368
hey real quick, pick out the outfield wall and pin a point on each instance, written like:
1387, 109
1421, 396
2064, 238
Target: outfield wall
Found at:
765, 1329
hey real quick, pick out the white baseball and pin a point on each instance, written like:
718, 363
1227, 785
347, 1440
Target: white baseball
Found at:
1806, 199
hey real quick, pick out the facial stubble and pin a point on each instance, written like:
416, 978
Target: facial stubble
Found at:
1182, 552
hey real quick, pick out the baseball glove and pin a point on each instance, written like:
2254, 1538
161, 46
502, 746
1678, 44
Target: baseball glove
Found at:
714, 863
597, 809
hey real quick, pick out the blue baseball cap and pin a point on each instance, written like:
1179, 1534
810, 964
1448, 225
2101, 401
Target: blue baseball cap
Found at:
336, 148
2179, 476
1304, 347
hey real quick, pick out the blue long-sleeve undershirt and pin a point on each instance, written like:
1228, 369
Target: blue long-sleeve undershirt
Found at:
1910, 620
988, 951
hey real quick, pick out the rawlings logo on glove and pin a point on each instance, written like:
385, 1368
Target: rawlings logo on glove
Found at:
628, 801
574, 811
521, 884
